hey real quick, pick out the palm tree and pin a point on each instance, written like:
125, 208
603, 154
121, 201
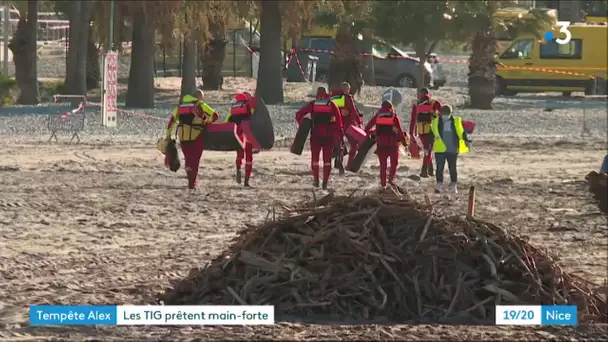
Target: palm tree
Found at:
188, 86
192, 23
477, 19
23, 47
147, 17
277, 18
79, 14
219, 14
269, 84
350, 18
93, 78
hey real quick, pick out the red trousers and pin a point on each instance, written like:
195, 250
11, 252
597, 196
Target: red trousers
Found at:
384, 154
247, 154
427, 143
326, 145
193, 150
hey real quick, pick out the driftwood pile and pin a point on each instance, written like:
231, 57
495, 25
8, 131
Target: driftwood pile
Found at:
379, 257
598, 185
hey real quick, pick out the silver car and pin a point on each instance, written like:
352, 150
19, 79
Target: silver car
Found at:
438, 74
392, 67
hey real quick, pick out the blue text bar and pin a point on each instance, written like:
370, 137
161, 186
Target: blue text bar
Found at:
558, 315
73, 315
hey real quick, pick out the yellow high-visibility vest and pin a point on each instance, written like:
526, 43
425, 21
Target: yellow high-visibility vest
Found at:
189, 132
439, 145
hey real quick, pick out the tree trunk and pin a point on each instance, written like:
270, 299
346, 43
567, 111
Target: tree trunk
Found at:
188, 67
93, 65
23, 47
346, 65
79, 15
369, 74
482, 71
140, 91
213, 58
269, 85
420, 48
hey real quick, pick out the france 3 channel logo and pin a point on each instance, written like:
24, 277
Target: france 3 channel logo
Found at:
563, 30
536, 315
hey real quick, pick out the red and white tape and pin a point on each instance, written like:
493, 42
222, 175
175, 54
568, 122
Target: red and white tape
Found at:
457, 61
73, 111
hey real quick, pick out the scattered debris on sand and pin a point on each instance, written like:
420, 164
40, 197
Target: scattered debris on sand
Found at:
372, 257
598, 185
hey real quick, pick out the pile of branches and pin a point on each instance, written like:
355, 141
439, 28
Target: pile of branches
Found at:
384, 258
598, 185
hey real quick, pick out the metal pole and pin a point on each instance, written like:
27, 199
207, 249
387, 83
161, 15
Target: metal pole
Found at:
181, 58
5, 29
250, 46
198, 59
234, 53
112, 25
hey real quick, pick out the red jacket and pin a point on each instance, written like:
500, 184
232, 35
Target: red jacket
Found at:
414, 114
386, 137
242, 108
353, 118
323, 129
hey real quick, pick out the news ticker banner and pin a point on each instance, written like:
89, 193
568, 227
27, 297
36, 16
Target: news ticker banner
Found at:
151, 315
247, 315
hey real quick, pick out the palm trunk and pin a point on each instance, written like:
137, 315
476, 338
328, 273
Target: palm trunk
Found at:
420, 48
140, 91
482, 71
23, 47
93, 67
76, 66
346, 65
269, 85
188, 67
213, 58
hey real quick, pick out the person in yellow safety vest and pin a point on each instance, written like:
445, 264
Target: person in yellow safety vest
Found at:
191, 117
420, 125
450, 140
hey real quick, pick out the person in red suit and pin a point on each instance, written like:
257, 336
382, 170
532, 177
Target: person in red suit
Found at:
420, 125
241, 110
191, 116
350, 117
326, 131
389, 134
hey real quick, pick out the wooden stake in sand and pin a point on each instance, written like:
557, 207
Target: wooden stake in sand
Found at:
471, 208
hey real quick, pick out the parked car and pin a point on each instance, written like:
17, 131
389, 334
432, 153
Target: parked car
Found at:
392, 67
439, 77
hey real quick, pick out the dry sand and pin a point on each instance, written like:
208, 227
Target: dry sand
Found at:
107, 224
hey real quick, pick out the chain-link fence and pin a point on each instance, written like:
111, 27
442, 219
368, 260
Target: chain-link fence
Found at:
52, 45
240, 59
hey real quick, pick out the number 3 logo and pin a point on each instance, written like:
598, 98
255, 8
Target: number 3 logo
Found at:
564, 29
